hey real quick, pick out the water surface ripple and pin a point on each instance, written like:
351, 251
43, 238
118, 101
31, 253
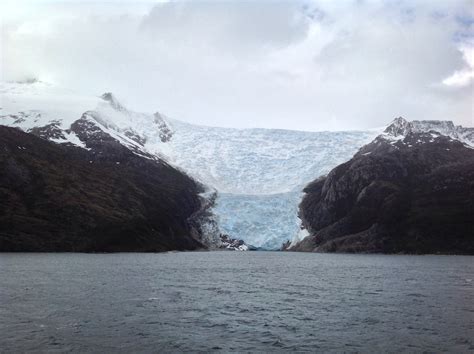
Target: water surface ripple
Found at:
236, 301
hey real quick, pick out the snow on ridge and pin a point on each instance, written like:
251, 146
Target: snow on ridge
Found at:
38, 104
399, 128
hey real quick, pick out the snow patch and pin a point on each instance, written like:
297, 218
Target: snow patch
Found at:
300, 236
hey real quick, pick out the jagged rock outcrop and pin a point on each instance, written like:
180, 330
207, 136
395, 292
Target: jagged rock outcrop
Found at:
165, 132
409, 191
109, 97
233, 244
106, 198
50, 131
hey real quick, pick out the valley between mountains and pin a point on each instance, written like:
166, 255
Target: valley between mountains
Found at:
85, 173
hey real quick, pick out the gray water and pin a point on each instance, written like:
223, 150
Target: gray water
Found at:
236, 301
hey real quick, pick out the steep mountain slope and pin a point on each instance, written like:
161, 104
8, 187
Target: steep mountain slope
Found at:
104, 198
258, 173
410, 190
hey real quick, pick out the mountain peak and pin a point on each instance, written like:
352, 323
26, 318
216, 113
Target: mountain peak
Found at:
399, 126
109, 97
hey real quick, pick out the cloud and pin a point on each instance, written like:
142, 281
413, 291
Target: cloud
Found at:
465, 76
230, 26
309, 65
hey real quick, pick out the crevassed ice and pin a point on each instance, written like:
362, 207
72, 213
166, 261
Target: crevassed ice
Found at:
260, 173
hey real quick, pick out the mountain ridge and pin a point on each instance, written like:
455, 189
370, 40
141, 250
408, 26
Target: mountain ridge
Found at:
408, 191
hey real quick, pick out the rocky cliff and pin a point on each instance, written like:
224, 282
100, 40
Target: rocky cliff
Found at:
103, 197
411, 190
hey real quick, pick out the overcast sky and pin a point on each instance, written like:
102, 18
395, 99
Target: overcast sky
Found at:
307, 65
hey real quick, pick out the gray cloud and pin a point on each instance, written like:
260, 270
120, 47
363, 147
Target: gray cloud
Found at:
231, 26
310, 65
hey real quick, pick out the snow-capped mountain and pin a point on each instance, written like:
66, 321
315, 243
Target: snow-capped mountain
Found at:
257, 173
400, 128
409, 190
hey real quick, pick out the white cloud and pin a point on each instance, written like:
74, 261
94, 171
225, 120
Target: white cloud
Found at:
465, 76
295, 64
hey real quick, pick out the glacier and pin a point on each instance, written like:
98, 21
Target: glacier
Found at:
259, 174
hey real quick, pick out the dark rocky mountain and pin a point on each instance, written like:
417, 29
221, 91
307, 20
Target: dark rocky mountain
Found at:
102, 198
411, 190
